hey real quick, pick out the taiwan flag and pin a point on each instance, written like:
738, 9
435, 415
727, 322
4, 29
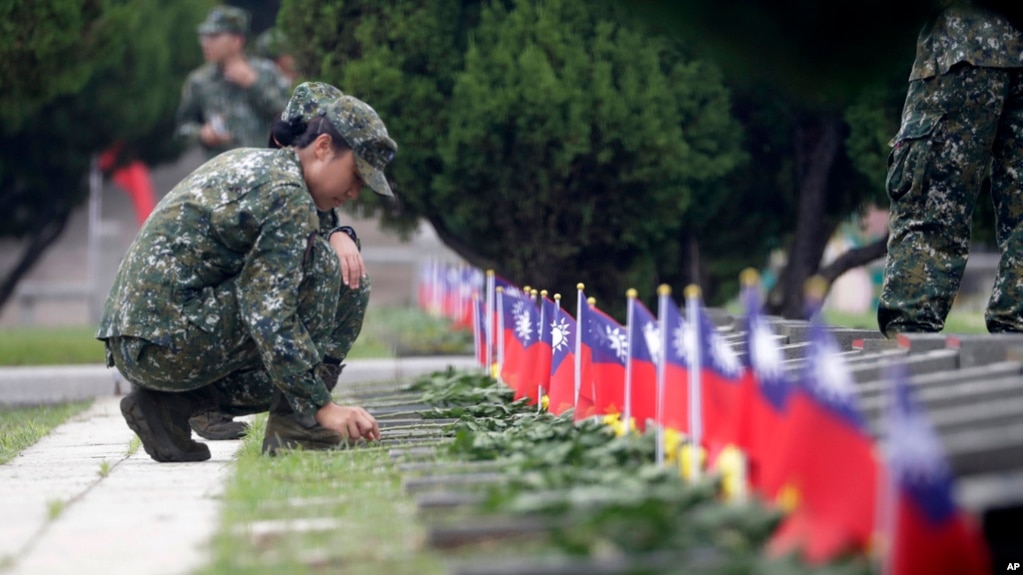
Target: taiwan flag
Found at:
539, 355
562, 380
765, 399
644, 356
677, 345
520, 321
828, 456
929, 535
585, 386
721, 384
606, 342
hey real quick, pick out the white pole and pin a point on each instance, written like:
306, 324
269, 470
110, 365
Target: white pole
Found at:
95, 213
579, 327
663, 300
695, 396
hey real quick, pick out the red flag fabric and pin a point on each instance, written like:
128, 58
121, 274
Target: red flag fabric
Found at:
519, 334
562, 380
675, 402
606, 342
721, 385
644, 352
828, 456
539, 380
929, 534
134, 180
765, 399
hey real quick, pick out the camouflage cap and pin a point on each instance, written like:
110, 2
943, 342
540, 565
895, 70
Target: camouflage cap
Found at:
362, 128
355, 121
308, 100
225, 19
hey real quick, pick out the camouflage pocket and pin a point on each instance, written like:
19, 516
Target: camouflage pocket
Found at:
203, 310
910, 155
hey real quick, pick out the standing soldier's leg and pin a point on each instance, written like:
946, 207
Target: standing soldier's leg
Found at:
1005, 308
939, 160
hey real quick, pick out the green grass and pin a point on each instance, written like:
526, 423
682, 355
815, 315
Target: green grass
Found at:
49, 346
958, 322
23, 426
385, 331
368, 524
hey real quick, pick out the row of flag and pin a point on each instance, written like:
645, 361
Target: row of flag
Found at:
805, 443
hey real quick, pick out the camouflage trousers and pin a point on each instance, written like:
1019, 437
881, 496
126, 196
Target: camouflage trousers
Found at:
227, 357
957, 129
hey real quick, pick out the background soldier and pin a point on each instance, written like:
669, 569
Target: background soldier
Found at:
231, 101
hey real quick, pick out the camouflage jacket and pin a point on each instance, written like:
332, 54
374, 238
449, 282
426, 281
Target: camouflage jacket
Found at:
247, 215
246, 113
965, 33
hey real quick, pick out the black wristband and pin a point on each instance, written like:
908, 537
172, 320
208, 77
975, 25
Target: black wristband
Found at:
347, 229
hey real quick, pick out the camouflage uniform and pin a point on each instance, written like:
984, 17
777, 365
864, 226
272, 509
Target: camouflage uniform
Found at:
244, 112
962, 121
230, 282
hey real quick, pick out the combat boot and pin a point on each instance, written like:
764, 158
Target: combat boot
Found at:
160, 419
286, 429
217, 426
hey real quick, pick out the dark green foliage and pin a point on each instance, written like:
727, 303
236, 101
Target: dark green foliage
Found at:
554, 141
78, 77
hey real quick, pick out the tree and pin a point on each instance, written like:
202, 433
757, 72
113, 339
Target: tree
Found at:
809, 63
80, 76
570, 145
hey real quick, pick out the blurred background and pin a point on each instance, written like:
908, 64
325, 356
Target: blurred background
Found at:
620, 143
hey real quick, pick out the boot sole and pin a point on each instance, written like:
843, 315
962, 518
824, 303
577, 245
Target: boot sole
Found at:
141, 416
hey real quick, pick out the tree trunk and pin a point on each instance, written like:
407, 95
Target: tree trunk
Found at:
853, 258
817, 144
38, 243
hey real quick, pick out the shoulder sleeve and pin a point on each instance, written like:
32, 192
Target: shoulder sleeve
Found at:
268, 294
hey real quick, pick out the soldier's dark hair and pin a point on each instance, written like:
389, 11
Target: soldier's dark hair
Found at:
300, 134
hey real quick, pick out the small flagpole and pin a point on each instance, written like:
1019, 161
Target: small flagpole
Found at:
478, 338
592, 301
500, 332
539, 335
663, 300
490, 320
692, 294
629, 317
580, 326
550, 374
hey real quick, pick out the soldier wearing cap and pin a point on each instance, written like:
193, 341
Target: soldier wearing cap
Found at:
230, 101
234, 296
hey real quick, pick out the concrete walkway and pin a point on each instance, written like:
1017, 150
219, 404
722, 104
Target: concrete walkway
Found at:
77, 502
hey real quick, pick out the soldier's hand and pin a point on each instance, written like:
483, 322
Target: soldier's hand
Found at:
353, 268
352, 422
212, 138
239, 71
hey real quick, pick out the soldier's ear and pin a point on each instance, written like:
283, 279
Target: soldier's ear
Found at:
324, 147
